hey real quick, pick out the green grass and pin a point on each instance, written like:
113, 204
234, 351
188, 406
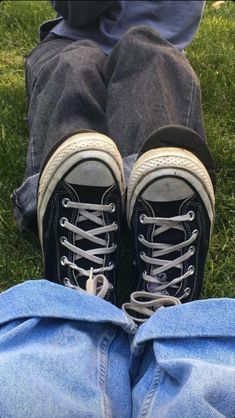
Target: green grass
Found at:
211, 55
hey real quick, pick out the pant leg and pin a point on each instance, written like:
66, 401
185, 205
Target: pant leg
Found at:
150, 85
62, 354
183, 362
66, 92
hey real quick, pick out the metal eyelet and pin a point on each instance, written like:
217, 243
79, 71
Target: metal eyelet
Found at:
65, 202
112, 207
192, 249
142, 254
187, 291
62, 221
115, 224
63, 260
66, 281
195, 232
142, 218
63, 240
191, 269
140, 237
161, 277
191, 215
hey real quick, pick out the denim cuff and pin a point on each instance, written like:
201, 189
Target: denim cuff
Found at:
44, 299
201, 318
24, 200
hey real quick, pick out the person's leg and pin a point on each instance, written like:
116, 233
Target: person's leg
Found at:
66, 92
62, 354
150, 85
154, 110
183, 362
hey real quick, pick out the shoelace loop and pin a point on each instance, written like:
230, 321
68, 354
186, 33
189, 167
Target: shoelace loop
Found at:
95, 285
145, 304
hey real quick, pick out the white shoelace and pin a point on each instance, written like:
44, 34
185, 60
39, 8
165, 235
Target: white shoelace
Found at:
97, 283
145, 303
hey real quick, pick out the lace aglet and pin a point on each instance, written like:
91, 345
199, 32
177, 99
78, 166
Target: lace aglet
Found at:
90, 284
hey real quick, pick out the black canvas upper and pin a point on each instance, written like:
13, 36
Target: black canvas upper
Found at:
53, 231
201, 223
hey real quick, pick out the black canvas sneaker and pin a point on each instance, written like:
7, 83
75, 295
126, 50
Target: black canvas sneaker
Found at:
80, 202
170, 211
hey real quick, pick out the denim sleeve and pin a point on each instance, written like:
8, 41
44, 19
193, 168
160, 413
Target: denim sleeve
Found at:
79, 14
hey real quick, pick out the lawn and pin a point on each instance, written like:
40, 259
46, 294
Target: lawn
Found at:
211, 55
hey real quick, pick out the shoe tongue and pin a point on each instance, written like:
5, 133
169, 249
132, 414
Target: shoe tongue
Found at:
172, 236
166, 209
93, 195
89, 194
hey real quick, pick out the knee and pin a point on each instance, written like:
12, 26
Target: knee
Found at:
141, 36
77, 57
145, 43
141, 32
142, 47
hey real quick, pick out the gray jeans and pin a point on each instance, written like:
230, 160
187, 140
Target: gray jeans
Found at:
143, 85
